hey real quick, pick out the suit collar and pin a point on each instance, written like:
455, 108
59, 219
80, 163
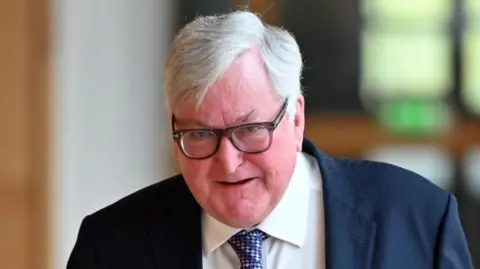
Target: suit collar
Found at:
349, 236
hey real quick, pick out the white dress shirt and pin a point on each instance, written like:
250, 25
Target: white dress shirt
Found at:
296, 227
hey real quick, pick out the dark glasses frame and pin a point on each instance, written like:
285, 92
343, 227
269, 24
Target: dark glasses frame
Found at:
270, 126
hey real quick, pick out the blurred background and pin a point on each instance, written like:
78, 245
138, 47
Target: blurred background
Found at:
83, 121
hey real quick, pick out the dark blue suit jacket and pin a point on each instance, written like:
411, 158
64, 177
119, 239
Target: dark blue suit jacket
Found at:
377, 216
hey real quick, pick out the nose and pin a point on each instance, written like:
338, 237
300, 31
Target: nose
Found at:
228, 157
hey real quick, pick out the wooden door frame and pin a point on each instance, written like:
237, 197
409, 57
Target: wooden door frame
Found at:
39, 105
25, 119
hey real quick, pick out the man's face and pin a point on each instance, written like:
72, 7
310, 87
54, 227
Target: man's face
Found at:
243, 92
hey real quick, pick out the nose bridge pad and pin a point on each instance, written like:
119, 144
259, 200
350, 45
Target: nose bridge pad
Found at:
227, 146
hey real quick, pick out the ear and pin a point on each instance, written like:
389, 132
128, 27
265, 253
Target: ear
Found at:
299, 122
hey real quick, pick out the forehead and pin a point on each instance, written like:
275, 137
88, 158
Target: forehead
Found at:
243, 87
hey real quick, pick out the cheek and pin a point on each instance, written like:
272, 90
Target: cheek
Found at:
193, 170
284, 140
278, 162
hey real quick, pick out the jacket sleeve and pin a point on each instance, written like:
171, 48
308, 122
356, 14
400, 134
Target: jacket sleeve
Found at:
452, 248
82, 256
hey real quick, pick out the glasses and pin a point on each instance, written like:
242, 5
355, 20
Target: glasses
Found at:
251, 138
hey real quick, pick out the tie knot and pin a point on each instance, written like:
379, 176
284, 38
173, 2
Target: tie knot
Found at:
248, 246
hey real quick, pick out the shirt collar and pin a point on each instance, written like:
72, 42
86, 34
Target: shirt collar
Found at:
287, 221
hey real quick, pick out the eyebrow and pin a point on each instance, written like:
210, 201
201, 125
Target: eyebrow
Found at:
239, 120
244, 118
191, 122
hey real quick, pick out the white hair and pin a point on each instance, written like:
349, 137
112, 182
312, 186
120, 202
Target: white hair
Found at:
204, 49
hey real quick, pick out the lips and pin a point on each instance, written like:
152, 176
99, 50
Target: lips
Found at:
243, 181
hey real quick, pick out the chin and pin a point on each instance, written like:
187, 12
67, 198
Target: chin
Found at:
244, 217
241, 222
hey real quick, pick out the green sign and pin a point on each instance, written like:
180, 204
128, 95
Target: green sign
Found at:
414, 116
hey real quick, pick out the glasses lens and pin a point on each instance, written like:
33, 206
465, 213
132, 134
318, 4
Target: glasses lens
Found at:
199, 143
252, 138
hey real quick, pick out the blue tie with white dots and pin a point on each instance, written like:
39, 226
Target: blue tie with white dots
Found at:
248, 246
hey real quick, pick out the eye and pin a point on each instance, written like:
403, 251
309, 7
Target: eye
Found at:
250, 130
200, 134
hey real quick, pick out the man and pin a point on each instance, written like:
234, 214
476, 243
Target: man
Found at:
252, 192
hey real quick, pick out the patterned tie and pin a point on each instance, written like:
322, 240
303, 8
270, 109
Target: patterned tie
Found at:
248, 246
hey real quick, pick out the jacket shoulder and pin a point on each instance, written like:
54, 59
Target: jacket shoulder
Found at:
119, 235
138, 206
387, 187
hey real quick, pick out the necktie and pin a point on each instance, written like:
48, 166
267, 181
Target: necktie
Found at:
248, 246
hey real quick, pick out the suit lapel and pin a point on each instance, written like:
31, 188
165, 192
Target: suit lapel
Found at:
349, 237
175, 232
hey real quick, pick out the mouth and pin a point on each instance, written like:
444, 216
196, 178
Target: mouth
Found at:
241, 182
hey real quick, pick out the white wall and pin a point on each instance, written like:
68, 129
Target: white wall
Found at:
110, 129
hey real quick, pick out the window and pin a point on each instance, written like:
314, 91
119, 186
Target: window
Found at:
406, 49
407, 64
421, 10
472, 8
471, 58
471, 69
399, 64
